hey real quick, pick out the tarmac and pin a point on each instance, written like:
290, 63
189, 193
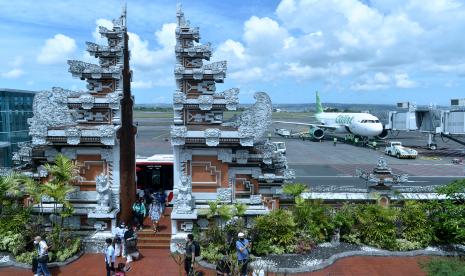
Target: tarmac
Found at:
321, 164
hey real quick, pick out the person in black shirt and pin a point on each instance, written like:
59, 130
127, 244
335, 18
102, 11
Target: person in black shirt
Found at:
189, 259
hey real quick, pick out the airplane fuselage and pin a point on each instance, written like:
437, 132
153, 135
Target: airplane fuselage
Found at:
361, 124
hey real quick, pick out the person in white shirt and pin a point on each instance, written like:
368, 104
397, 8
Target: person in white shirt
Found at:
109, 257
42, 250
119, 232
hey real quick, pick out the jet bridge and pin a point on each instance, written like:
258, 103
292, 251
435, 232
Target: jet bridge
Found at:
429, 120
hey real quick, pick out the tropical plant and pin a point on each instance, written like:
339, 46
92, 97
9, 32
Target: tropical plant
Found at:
295, 190
26, 257
415, 223
375, 225
313, 218
274, 233
9, 189
13, 242
71, 248
240, 209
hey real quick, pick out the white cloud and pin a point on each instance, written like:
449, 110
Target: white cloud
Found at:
264, 36
13, 74
142, 84
56, 49
104, 23
403, 81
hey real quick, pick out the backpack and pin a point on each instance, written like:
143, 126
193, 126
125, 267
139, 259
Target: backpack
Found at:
196, 248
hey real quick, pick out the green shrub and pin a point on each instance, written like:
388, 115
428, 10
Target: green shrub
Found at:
274, 232
314, 219
211, 253
444, 266
294, 189
344, 219
375, 225
406, 245
70, 250
12, 242
415, 224
26, 257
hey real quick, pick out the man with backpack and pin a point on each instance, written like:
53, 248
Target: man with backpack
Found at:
192, 251
243, 251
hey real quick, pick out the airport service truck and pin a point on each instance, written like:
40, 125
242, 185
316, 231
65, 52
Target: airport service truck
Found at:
396, 149
283, 132
279, 147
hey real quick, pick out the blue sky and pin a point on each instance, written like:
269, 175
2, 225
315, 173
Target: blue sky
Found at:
351, 51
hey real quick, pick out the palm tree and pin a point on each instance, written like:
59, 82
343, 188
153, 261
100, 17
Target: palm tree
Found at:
63, 173
9, 188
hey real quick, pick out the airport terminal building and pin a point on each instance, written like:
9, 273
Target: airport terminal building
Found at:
15, 110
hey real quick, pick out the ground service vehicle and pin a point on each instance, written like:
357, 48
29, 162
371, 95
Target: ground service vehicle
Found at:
280, 147
396, 149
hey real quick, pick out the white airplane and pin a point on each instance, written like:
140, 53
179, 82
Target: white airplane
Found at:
360, 124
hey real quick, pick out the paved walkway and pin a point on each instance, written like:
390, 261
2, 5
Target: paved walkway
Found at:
158, 262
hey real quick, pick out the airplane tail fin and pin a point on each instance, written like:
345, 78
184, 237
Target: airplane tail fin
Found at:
319, 108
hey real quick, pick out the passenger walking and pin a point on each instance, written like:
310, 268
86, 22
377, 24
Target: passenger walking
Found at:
119, 239
109, 257
139, 213
189, 258
161, 197
155, 211
334, 141
42, 259
243, 252
132, 252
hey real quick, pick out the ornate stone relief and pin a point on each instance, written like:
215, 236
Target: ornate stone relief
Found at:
187, 226
255, 199
107, 155
185, 155
225, 155
87, 101
103, 194
242, 156
107, 134
73, 135
224, 194
51, 153
212, 137
255, 121
232, 98
178, 100
205, 102
183, 203
113, 100
289, 175
178, 135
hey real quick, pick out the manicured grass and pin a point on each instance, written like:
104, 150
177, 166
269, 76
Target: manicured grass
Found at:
155, 115
444, 266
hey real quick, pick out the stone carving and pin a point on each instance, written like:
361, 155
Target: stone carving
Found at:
225, 155
289, 175
232, 98
50, 109
100, 225
178, 135
87, 101
113, 100
80, 67
107, 135
73, 135
255, 199
216, 67
242, 156
205, 102
224, 194
257, 119
187, 226
212, 137
382, 164
50, 153
178, 99
246, 142
104, 194
106, 154
183, 203
266, 150
185, 155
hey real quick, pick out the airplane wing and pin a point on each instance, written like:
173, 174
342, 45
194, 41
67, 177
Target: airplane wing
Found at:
308, 124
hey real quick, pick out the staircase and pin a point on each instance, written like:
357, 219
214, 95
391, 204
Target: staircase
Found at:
148, 239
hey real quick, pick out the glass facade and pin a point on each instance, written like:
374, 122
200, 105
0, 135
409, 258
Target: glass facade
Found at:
15, 109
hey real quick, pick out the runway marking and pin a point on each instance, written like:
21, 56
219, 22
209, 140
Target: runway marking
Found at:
159, 135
